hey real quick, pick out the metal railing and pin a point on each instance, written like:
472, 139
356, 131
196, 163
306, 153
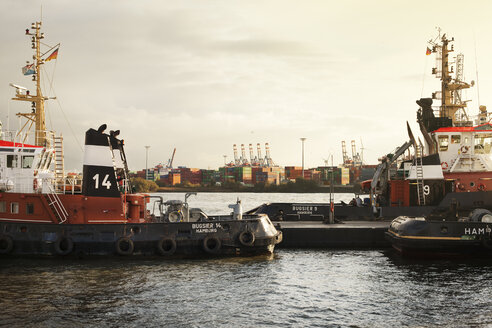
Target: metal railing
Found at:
29, 138
55, 203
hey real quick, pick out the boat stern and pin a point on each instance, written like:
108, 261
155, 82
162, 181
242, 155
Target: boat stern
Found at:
432, 238
258, 233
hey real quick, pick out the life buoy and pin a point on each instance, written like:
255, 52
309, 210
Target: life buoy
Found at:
166, 246
64, 246
247, 238
6, 244
464, 149
211, 244
481, 187
35, 184
124, 246
175, 216
444, 166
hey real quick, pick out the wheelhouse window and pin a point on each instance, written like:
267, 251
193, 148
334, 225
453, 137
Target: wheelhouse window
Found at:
14, 208
483, 143
11, 161
27, 162
29, 208
443, 142
3, 206
456, 139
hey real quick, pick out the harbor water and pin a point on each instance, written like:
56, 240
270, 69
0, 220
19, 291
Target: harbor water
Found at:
293, 288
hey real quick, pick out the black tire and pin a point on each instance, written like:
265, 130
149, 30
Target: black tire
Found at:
6, 244
477, 214
247, 238
211, 244
166, 246
64, 245
124, 246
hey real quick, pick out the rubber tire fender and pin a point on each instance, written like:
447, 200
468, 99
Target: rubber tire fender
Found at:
247, 238
58, 246
9, 244
162, 246
131, 246
477, 214
216, 243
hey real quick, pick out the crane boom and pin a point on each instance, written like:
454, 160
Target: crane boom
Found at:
170, 162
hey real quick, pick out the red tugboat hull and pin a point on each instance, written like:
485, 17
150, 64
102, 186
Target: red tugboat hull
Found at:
45, 212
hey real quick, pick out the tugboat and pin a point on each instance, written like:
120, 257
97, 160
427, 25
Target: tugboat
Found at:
455, 173
44, 212
453, 170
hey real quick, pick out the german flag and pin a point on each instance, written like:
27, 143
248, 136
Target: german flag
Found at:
53, 55
428, 51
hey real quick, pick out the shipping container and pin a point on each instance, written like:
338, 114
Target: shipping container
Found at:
174, 179
345, 176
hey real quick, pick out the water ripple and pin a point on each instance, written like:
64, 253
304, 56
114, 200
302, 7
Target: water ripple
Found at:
295, 288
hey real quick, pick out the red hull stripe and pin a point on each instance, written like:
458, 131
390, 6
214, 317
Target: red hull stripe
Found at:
483, 127
4, 143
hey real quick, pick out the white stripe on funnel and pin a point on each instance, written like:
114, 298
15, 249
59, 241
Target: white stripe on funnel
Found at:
98, 156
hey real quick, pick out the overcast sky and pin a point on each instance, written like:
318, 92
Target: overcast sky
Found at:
203, 75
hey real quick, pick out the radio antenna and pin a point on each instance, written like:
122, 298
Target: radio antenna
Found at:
476, 68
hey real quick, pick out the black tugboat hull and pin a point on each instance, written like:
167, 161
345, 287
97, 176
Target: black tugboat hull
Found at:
321, 212
461, 201
220, 237
417, 237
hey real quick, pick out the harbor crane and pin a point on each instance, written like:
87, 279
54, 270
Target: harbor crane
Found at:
260, 158
253, 160
171, 160
268, 158
237, 162
244, 159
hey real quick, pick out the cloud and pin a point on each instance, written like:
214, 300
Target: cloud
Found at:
262, 47
201, 76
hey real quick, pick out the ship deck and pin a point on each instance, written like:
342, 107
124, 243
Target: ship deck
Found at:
349, 235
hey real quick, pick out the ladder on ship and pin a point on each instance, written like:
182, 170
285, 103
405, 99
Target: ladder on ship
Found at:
59, 161
126, 187
419, 170
126, 182
56, 205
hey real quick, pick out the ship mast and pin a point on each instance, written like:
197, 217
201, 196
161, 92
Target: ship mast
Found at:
37, 116
451, 88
